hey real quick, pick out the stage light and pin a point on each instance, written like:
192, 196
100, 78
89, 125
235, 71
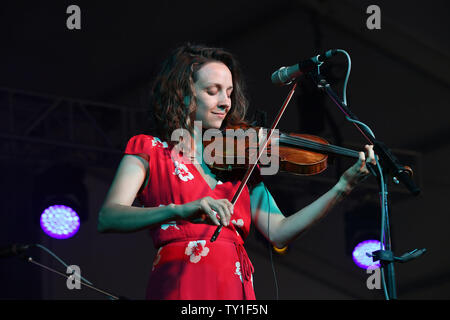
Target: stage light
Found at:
60, 221
360, 256
60, 200
362, 228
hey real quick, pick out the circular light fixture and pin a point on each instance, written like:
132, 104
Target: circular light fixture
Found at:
360, 254
60, 221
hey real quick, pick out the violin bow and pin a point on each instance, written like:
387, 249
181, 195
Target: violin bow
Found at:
250, 169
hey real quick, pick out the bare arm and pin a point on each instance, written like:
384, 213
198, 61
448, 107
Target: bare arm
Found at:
281, 230
118, 215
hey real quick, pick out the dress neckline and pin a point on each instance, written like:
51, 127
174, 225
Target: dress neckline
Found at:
218, 183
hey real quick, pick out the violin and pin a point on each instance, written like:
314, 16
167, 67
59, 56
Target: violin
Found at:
301, 154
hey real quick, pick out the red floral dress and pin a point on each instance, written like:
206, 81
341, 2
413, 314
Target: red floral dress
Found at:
187, 265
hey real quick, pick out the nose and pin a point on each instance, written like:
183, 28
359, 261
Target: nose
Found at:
225, 102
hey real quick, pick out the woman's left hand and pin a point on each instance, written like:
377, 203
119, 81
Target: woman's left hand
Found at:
358, 172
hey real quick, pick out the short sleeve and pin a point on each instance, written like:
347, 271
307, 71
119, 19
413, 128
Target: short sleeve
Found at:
140, 145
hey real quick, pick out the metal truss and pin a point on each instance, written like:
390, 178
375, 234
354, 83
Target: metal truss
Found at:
37, 127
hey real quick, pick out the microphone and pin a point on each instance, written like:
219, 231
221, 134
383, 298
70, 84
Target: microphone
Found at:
285, 75
13, 250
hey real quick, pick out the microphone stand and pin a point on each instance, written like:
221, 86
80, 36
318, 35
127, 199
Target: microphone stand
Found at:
109, 295
389, 165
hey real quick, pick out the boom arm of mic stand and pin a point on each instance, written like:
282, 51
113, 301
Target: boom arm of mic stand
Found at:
388, 160
31, 260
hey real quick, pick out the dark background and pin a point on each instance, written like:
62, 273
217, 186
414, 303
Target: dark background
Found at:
74, 97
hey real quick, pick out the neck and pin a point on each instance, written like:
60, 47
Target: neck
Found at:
196, 143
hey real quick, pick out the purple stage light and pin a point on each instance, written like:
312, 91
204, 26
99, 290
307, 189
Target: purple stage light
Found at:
60, 222
360, 257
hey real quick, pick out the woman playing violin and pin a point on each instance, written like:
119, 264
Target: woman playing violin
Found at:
184, 201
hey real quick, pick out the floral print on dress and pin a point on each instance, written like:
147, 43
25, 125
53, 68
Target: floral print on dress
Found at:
239, 223
238, 270
182, 171
196, 250
169, 224
156, 142
166, 226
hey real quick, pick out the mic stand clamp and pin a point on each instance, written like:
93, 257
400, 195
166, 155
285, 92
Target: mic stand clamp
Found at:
387, 260
387, 256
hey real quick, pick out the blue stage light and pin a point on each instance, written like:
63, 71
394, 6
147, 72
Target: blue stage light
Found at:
360, 254
60, 221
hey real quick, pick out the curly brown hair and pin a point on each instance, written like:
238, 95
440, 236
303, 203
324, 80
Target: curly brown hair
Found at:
175, 82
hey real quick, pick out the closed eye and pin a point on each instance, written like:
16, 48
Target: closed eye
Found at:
212, 90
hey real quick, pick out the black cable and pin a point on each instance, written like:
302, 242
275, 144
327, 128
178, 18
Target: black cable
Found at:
270, 244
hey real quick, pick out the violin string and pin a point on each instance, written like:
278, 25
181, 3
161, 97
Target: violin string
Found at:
304, 143
318, 146
312, 144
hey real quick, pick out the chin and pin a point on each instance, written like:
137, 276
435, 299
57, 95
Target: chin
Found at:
212, 125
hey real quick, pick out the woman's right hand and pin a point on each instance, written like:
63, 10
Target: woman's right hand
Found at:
218, 211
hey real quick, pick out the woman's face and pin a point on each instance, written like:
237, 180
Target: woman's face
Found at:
212, 93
